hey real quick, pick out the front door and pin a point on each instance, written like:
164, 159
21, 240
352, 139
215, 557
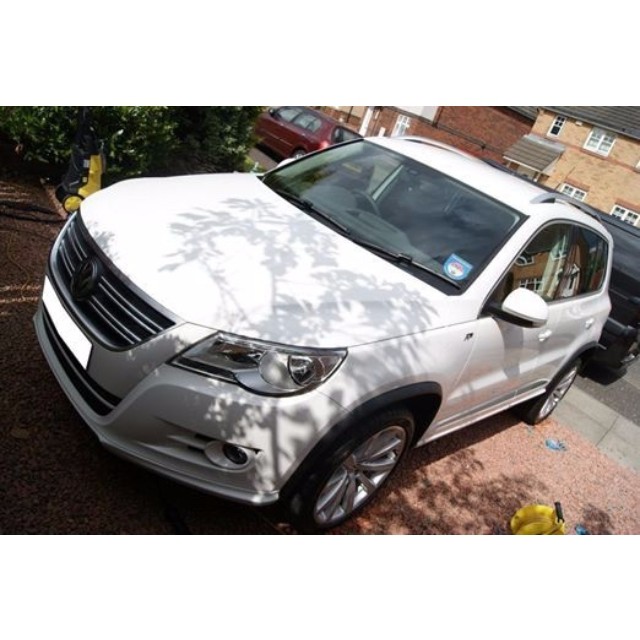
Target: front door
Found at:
565, 265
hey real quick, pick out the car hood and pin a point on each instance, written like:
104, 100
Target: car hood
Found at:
226, 252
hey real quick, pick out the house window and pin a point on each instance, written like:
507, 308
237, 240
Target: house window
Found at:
569, 261
600, 141
549, 250
401, 126
574, 192
557, 125
534, 284
523, 260
626, 215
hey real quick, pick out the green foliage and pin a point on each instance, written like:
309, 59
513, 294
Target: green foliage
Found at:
214, 138
44, 133
138, 140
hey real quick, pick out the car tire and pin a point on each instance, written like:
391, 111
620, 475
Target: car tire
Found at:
298, 153
345, 477
540, 408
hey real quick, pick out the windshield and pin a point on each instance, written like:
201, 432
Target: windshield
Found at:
438, 225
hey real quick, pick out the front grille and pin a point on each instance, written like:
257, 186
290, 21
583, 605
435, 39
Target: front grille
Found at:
117, 316
99, 399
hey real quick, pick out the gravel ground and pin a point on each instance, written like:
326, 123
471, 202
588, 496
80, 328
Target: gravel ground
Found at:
56, 479
473, 481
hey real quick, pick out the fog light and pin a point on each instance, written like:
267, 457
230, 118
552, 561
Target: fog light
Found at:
229, 457
237, 455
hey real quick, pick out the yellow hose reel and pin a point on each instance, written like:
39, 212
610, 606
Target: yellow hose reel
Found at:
538, 520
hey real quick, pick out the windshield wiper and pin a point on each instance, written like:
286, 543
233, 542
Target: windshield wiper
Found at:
402, 258
308, 206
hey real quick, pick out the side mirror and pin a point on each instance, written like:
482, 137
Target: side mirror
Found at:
272, 112
523, 308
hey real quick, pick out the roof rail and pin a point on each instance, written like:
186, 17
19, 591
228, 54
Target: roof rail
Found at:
551, 197
439, 145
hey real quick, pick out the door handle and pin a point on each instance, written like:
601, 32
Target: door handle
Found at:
589, 323
544, 335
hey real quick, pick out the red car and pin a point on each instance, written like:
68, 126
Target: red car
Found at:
295, 131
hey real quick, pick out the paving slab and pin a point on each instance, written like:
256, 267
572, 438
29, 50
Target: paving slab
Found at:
573, 416
591, 407
622, 443
613, 434
619, 392
633, 375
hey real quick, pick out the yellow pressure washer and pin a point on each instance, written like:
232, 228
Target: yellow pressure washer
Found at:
86, 165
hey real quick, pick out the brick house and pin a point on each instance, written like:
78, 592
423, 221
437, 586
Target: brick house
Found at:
482, 131
589, 153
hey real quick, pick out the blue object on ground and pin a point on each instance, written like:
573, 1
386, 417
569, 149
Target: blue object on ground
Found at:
581, 531
555, 445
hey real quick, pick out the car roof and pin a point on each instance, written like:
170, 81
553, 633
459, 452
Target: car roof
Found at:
522, 195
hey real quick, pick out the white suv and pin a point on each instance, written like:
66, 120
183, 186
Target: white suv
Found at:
288, 337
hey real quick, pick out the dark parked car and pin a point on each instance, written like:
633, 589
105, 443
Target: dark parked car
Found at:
295, 131
620, 336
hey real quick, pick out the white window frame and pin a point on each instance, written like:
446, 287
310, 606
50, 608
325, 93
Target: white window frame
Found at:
573, 192
557, 123
626, 215
600, 141
533, 284
523, 260
401, 126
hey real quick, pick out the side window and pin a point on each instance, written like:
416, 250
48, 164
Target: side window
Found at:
287, 114
338, 135
586, 266
540, 266
558, 266
308, 121
342, 135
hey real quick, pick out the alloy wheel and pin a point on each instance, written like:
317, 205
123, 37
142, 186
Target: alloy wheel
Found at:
360, 475
558, 392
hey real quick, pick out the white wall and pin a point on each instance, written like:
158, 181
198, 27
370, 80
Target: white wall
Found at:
426, 112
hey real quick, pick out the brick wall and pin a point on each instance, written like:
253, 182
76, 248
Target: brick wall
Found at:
608, 180
485, 131
351, 116
482, 131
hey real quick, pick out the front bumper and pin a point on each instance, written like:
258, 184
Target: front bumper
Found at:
169, 417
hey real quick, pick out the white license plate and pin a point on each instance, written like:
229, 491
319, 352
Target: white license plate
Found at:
67, 329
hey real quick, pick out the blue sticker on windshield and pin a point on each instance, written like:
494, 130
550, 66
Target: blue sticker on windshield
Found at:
456, 268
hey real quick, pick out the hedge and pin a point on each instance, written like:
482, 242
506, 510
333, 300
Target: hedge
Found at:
138, 140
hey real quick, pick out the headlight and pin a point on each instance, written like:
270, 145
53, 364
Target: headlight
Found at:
271, 369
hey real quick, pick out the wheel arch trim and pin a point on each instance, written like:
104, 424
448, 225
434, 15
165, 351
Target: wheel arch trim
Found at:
585, 352
423, 399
